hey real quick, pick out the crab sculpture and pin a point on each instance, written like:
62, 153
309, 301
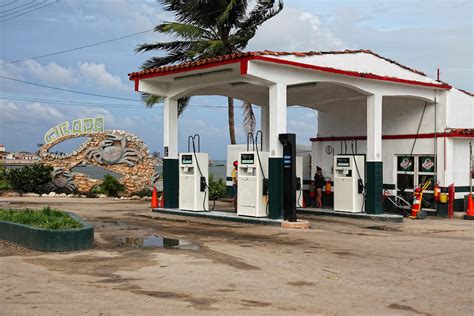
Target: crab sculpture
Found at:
156, 182
62, 180
113, 150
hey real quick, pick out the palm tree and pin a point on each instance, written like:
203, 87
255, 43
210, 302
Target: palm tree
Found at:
206, 29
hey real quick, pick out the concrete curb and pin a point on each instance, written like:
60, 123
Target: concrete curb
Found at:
221, 216
382, 217
49, 240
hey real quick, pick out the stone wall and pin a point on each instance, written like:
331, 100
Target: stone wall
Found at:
136, 175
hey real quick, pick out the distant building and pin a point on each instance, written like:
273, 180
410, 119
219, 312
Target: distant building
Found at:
2, 148
25, 156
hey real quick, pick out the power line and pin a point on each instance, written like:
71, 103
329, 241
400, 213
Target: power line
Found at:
56, 101
15, 16
74, 49
68, 90
4, 5
14, 8
93, 104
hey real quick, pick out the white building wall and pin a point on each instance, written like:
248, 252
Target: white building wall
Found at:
460, 110
461, 161
399, 116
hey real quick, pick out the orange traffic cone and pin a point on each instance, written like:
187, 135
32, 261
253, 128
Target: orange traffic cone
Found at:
154, 199
416, 203
162, 200
470, 208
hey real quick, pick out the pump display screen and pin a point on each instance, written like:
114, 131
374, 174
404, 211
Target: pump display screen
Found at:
343, 162
247, 159
186, 159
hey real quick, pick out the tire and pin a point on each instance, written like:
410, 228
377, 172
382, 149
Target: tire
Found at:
421, 214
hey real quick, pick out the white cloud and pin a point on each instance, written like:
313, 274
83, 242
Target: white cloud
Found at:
97, 73
295, 30
129, 15
30, 114
83, 73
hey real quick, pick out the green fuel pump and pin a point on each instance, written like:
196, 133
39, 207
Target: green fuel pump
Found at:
289, 176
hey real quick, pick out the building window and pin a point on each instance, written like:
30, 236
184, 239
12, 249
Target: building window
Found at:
413, 171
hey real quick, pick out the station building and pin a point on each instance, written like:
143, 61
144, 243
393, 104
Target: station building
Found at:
409, 127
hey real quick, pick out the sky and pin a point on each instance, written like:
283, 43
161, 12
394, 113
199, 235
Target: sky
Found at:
423, 34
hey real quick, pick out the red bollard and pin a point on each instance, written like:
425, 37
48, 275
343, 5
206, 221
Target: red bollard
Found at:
451, 201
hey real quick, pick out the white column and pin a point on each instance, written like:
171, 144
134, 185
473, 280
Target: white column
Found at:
170, 126
264, 125
277, 117
374, 127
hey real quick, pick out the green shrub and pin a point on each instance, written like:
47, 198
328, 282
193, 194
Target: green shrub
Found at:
217, 188
111, 186
30, 178
46, 218
143, 192
4, 185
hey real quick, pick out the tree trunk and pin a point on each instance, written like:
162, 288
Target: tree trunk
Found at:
230, 105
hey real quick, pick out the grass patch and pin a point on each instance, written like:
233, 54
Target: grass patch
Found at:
46, 218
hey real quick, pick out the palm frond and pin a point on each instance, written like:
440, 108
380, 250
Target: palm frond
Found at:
182, 104
182, 30
224, 18
166, 46
155, 62
150, 100
247, 28
248, 120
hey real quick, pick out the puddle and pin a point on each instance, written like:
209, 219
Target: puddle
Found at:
154, 241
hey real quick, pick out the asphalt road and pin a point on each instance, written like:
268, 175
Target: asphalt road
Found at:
337, 267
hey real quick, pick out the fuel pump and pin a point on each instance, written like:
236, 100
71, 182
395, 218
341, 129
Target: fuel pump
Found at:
193, 177
289, 176
299, 182
349, 179
252, 193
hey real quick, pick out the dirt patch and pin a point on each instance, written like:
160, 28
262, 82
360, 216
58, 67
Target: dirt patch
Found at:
385, 227
222, 258
362, 234
406, 308
226, 290
252, 303
198, 303
93, 265
345, 254
10, 249
301, 283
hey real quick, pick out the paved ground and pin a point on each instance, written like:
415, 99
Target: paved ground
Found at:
338, 267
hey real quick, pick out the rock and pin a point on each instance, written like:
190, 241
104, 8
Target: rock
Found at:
44, 195
71, 195
83, 196
31, 194
52, 194
146, 198
135, 197
12, 194
101, 196
62, 195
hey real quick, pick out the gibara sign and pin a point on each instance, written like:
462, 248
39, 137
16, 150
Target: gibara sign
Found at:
79, 126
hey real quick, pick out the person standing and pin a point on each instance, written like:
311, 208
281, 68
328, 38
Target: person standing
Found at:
234, 182
319, 183
312, 194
